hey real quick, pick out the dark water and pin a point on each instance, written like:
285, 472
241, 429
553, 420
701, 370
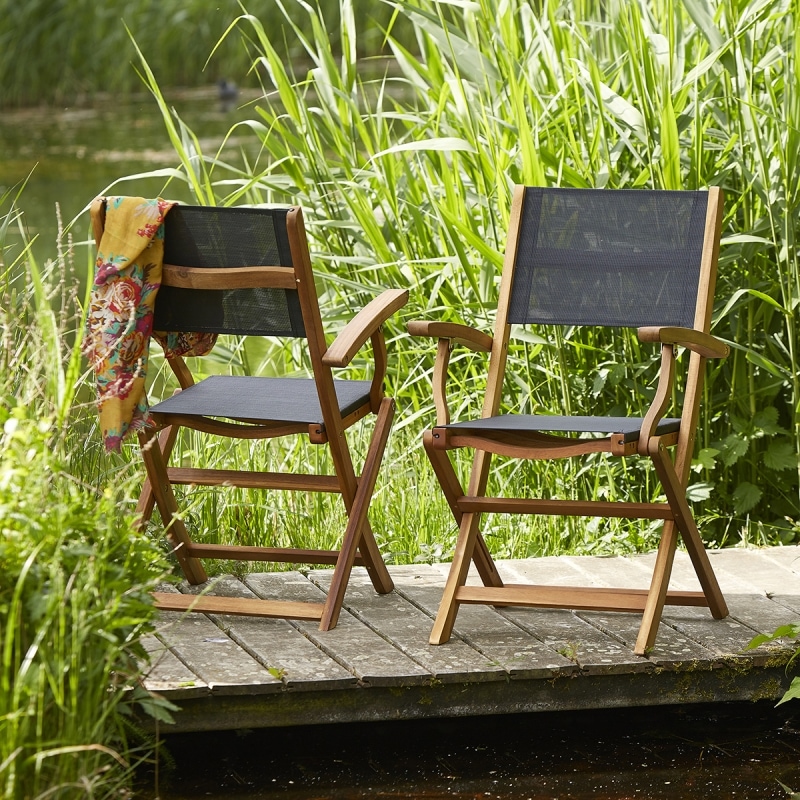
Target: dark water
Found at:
711, 752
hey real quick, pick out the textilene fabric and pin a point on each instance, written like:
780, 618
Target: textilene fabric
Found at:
620, 257
520, 423
251, 398
209, 236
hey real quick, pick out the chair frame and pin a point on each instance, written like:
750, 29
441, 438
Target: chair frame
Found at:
358, 545
468, 506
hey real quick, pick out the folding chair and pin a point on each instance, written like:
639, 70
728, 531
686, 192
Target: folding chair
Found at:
611, 258
247, 271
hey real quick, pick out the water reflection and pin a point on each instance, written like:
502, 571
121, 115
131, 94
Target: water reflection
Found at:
73, 154
739, 751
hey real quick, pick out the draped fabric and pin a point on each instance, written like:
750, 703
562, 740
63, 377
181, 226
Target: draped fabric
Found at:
120, 320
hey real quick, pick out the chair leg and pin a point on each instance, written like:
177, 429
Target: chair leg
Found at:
452, 490
168, 507
684, 520
457, 577
659, 584
358, 534
144, 508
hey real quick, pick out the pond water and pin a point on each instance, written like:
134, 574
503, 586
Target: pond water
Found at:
70, 155
743, 751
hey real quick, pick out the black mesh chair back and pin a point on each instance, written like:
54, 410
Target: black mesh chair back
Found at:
211, 237
626, 258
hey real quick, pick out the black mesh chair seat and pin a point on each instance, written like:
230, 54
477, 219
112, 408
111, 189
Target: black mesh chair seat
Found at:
627, 427
275, 399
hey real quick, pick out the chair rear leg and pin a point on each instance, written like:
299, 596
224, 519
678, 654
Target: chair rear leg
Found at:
165, 500
358, 534
684, 520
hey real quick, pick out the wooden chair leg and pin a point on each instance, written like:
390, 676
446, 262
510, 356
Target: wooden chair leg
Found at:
168, 507
147, 501
659, 584
452, 490
457, 577
358, 535
684, 520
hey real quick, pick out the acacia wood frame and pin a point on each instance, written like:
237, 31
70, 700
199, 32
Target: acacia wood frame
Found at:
358, 542
673, 474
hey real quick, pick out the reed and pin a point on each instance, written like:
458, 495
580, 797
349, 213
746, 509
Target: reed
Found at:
74, 575
414, 170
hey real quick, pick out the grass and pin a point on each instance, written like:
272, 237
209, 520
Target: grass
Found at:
74, 575
406, 180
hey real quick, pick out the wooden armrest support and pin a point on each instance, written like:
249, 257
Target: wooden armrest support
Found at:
705, 344
463, 334
353, 336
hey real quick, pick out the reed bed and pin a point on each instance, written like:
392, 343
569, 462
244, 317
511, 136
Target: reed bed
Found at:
74, 575
410, 175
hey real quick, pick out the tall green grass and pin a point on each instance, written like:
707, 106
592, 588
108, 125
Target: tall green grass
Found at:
74, 574
407, 180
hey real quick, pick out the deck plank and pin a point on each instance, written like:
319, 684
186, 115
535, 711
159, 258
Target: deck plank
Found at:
278, 646
372, 659
407, 627
490, 633
228, 672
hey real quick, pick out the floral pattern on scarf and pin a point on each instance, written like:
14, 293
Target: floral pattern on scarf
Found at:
120, 320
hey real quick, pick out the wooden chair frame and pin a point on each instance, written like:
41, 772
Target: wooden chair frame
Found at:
468, 506
358, 542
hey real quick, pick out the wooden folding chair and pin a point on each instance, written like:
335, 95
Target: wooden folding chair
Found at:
613, 258
247, 271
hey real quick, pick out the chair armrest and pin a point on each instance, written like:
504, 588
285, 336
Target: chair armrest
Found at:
705, 344
364, 325
463, 334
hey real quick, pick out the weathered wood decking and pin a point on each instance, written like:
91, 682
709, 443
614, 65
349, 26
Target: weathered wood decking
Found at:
236, 672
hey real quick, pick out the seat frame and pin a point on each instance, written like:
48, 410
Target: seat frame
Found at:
467, 506
358, 545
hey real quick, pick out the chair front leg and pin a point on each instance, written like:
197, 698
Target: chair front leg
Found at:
452, 490
684, 520
358, 534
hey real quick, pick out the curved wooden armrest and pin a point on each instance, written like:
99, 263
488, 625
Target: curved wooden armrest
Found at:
705, 344
364, 325
463, 334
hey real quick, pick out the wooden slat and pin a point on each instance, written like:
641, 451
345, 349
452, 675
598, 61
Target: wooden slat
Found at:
372, 659
253, 480
577, 597
228, 277
588, 508
239, 606
284, 555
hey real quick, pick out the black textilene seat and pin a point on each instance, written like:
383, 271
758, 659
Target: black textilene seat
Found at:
611, 258
247, 271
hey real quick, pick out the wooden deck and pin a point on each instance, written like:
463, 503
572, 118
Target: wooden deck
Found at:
229, 672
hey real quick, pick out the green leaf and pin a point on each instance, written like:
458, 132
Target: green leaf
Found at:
792, 693
780, 455
706, 458
733, 448
699, 491
766, 421
746, 497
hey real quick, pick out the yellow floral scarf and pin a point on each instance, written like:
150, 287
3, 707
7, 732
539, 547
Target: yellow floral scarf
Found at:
120, 320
